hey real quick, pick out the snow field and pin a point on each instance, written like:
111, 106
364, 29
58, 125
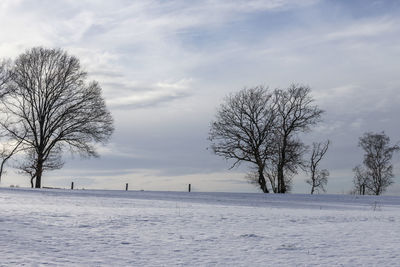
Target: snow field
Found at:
116, 228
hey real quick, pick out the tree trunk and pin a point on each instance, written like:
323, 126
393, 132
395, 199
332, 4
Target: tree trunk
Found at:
38, 183
33, 177
281, 165
378, 188
39, 171
313, 181
1, 169
261, 180
281, 179
273, 185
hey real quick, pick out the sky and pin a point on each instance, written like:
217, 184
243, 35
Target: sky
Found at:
166, 66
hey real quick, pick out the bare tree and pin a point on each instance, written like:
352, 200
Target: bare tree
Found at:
360, 180
296, 113
49, 106
377, 161
4, 75
318, 178
243, 129
6, 152
295, 150
7, 149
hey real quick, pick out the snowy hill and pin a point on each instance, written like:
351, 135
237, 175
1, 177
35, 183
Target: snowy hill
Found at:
103, 228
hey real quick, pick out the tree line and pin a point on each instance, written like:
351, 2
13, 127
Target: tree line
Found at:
263, 127
48, 106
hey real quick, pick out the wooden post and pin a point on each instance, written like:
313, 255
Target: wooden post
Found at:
189, 187
72, 186
126, 187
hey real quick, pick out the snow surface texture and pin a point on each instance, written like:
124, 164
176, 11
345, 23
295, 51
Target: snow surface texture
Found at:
118, 228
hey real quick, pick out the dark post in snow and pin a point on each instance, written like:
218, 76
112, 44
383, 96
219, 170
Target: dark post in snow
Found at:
72, 186
189, 187
126, 187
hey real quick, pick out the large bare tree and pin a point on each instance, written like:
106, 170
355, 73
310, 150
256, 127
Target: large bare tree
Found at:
318, 178
378, 154
296, 113
243, 129
49, 106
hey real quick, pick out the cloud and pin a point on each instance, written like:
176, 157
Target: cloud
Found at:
368, 28
161, 92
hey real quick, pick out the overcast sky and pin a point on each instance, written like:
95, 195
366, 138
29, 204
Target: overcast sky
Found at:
165, 66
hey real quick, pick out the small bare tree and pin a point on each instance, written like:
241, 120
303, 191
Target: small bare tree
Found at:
378, 154
296, 113
360, 180
243, 129
6, 152
49, 106
318, 178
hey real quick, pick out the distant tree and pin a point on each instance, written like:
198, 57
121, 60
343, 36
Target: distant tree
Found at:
318, 178
48, 106
243, 129
360, 180
378, 154
262, 128
296, 113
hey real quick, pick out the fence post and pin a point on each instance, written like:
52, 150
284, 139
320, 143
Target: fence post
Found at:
190, 187
72, 186
126, 187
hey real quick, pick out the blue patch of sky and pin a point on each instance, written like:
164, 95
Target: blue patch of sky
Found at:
249, 28
362, 8
252, 27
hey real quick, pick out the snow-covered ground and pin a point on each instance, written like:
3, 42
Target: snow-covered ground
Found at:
118, 228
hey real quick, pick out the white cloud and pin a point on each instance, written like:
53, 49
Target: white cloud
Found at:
364, 29
157, 93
